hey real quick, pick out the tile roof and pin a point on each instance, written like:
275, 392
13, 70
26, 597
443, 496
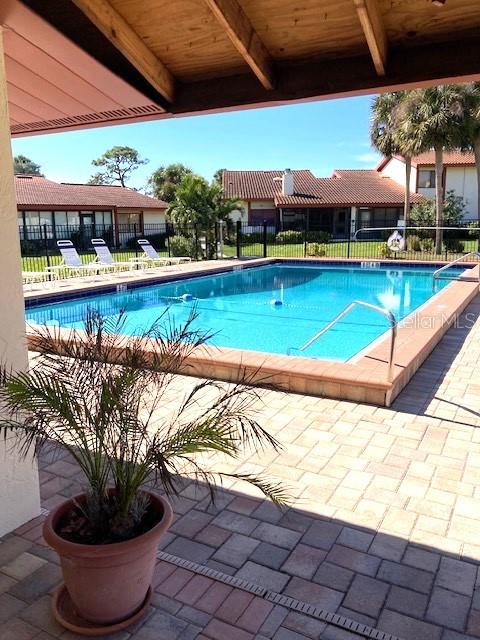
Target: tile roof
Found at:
450, 158
38, 191
346, 187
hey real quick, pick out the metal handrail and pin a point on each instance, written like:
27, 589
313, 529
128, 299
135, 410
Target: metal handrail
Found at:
385, 312
450, 264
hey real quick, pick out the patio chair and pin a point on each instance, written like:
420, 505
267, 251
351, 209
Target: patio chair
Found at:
150, 256
72, 262
104, 256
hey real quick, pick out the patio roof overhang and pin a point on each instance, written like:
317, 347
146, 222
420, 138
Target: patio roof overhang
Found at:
84, 63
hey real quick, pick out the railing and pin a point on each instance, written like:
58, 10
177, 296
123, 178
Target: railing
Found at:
241, 240
437, 273
385, 312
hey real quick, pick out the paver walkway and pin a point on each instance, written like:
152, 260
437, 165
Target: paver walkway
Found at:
384, 526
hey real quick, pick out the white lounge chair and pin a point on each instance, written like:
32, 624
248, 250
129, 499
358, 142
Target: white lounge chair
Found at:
104, 256
150, 257
73, 263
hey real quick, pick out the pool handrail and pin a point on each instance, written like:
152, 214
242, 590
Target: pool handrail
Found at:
385, 312
450, 264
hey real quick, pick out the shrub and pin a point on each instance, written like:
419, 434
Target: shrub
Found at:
257, 237
385, 251
181, 246
314, 249
322, 237
453, 245
289, 237
414, 243
427, 244
157, 240
423, 213
28, 248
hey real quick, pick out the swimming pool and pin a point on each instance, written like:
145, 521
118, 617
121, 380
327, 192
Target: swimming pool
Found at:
272, 309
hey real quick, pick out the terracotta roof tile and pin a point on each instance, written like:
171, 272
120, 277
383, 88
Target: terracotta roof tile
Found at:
346, 187
450, 158
37, 191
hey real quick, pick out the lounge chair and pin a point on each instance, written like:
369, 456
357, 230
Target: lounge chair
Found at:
150, 257
104, 256
73, 263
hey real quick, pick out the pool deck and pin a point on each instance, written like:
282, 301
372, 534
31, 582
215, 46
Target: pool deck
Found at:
383, 527
362, 379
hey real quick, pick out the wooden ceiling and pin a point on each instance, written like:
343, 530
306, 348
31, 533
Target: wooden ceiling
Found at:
82, 63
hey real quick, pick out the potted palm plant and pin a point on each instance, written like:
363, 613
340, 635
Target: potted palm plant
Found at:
103, 397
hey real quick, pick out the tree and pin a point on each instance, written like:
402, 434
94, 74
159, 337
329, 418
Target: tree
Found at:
117, 164
23, 165
434, 122
423, 213
218, 175
202, 204
165, 180
389, 133
470, 127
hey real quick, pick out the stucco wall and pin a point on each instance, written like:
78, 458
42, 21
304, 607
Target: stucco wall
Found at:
463, 180
395, 169
154, 217
19, 496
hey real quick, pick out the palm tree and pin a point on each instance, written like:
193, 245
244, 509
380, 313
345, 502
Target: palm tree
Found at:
434, 122
101, 396
390, 114
470, 128
201, 204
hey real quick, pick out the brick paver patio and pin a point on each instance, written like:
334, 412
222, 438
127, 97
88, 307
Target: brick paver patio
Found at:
383, 529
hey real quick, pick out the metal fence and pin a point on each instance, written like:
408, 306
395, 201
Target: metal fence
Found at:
368, 243
239, 240
39, 242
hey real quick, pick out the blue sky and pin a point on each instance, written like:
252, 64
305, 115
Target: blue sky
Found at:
320, 136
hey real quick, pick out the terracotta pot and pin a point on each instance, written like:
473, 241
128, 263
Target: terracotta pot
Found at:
108, 583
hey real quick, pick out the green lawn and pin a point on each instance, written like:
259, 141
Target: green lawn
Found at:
39, 263
364, 250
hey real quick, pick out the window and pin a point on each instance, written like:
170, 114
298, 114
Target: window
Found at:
103, 218
426, 178
36, 218
129, 218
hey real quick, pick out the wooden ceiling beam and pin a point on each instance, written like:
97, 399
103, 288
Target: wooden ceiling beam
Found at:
245, 39
128, 42
374, 30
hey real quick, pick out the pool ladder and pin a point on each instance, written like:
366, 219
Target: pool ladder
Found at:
385, 312
437, 273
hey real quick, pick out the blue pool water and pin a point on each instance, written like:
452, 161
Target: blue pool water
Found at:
238, 307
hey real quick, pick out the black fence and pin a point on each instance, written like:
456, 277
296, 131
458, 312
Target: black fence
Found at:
39, 242
240, 240
367, 243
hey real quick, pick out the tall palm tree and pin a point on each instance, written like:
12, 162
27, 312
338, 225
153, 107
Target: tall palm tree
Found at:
434, 122
388, 127
470, 128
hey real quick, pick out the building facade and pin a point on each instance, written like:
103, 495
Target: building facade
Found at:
351, 199
53, 211
459, 176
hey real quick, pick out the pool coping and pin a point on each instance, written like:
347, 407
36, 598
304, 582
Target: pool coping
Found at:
363, 380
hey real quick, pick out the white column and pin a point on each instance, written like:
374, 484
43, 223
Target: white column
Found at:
19, 493
353, 221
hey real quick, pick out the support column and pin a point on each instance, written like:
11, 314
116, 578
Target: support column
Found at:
353, 221
19, 488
